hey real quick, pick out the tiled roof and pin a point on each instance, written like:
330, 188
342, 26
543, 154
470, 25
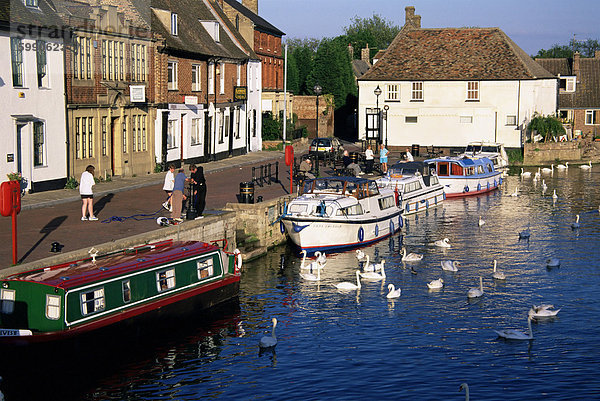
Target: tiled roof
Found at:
359, 67
379, 54
454, 54
15, 12
261, 23
587, 89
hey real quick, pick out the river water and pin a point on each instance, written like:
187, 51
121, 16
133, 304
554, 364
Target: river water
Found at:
353, 345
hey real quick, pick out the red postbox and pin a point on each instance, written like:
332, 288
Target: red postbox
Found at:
10, 198
289, 155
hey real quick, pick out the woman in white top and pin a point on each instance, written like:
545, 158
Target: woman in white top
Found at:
168, 186
369, 158
87, 196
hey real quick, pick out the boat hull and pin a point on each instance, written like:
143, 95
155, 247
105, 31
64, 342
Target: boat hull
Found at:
460, 186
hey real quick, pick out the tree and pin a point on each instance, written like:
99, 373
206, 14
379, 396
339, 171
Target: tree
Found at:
586, 48
303, 57
556, 51
293, 81
546, 126
375, 31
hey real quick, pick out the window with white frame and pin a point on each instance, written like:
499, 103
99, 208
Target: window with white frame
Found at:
82, 59
220, 127
165, 280
52, 307
83, 137
212, 27
104, 133
196, 87
473, 90
392, 92
197, 131
124, 134
16, 58
236, 123
211, 78
113, 68
205, 269
511, 119
590, 117
567, 84
238, 79
138, 62
92, 301
126, 286
172, 75
416, 93
8, 301
174, 28
222, 79
38, 143
172, 134
90, 137
227, 125
31, 3
42, 64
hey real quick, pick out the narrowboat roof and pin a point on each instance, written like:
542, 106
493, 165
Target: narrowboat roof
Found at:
85, 271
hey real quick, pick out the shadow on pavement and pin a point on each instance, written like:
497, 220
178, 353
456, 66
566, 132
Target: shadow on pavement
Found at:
46, 230
98, 206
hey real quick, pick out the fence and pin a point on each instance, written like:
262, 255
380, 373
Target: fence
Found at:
264, 174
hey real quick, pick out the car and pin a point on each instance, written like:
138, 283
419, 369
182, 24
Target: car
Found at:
321, 146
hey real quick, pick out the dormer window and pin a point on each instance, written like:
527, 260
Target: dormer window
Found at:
31, 3
212, 27
567, 84
174, 24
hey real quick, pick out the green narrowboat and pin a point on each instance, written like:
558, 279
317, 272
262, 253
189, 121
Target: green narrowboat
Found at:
68, 299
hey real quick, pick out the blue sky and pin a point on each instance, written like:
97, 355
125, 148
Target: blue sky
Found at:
532, 24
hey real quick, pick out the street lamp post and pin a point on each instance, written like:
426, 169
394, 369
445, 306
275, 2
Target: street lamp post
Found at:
377, 92
317, 89
385, 117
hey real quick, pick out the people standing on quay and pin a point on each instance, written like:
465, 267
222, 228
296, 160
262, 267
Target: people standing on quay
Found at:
369, 159
383, 158
199, 182
87, 195
350, 165
168, 186
178, 197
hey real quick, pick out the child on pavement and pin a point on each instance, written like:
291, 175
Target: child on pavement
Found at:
178, 197
87, 195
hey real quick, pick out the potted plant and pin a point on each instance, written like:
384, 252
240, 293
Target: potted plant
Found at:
15, 177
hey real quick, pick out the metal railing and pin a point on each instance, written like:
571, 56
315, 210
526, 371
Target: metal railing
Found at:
265, 174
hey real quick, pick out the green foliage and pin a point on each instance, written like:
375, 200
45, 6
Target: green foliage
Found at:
514, 155
270, 128
375, 31
546, 126
293, 80
158, 168
71, 183
304, 58
586, 48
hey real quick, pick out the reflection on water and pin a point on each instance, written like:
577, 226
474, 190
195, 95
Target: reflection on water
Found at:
345, 345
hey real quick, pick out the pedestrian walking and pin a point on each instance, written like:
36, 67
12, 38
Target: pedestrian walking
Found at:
199, 182
178, 197
383, 158
369, 160
168, 186
87, 195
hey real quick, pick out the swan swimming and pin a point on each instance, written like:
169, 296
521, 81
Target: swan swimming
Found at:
511, 334
345, 285
373, 275
360, 255
586, 166
442, 243
310, 276
537, 175
525, 173
312, 266
516, 193
554, 196
563, 166
542, 311
269, 341
552, 262
371, 267
525, 234
393, 292
544, 186
481, 221
465, 387
498, 275
435, 284
321, 258
476, 292
575, 225
450, 266
411, 257
548, 170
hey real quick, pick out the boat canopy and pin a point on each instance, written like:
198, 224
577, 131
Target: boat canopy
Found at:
344, 186
409, 168
459, 166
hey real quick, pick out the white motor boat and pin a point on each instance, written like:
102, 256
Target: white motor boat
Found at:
462, 176
418, 187
492, 150
341, 212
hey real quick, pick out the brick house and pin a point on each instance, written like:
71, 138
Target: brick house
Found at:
450, 86
579, 91
110, 89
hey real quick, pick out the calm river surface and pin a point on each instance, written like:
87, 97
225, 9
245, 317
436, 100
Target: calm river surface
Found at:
359, 345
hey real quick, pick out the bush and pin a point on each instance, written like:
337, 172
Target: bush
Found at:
71, 183
514, 155
158, 168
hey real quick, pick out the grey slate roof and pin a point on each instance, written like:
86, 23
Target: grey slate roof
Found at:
259, 22
360, 67
15, 12
587, 89
454, 54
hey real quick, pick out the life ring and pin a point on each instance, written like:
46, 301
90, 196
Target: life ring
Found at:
478, 187
407, 207
376, 230
392, 228
400, 221
361, 234
237, 261
466, 188
282, 227
427, 204
416, 207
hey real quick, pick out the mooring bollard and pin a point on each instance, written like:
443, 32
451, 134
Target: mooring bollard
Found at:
246, 192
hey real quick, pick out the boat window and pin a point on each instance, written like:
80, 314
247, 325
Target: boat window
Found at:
298, 208
353, 210
386, 203
8, 301
412, 186
456, 169
373, 190
165, 280
205, 268
489, 168
434, 180
443, 169
491, 149
308, 185
351, 188
126, 291
52, 307
479, 169
92, 301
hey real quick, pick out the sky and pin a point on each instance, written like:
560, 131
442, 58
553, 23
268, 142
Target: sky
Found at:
531, 24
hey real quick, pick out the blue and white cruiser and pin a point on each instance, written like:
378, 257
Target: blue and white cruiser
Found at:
341, 212
462, 176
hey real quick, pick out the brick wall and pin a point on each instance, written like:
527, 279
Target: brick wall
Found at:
586, 130
305, 108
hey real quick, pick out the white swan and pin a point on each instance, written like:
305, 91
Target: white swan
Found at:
450, 266
537, 175
481, 221
542, 311
525, 174
586, 166
269, 341
321, 258
516, 193
312, 266
373, 275
511, 334
498, 275
554, 196
552, 262
411, 257
310, 276
465, 387
435, 284
476, 292
525, 234
575, 225
548, 170
360, 255
544, 186
563, 166
442, 243
345, 285
371, 267
393, 292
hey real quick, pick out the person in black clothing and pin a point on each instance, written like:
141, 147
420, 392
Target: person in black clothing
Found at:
350, 165
199, 182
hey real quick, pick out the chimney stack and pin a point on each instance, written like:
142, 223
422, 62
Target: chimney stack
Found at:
364, 54
597, 54
351, 51
251, 5
411, 21
576, 57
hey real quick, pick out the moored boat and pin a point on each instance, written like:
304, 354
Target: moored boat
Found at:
463, 176
68, 299
492, 150
341, 212
419, 189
